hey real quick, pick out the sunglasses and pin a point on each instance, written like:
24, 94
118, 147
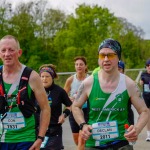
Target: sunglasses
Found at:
109, 56
148, 65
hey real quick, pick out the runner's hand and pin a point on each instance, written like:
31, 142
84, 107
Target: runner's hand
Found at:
36, 145
131, 134
61, 119
86, 131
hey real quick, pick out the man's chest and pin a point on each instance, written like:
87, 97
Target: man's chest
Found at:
10, 79
109, 87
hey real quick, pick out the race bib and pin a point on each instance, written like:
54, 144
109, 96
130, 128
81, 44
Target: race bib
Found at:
146, 88
105, 130
44, 142
14, 121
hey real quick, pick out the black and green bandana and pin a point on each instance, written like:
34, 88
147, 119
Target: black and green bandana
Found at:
112, 44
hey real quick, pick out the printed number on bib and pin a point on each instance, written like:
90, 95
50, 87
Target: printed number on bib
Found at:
14, 121
105, 130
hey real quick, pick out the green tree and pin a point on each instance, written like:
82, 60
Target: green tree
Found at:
85, 30
49, 35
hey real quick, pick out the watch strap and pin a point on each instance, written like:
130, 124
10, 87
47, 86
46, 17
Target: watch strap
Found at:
41, 137
81, 125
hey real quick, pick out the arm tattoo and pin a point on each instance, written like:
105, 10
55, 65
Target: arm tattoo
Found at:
80, 90
138, 91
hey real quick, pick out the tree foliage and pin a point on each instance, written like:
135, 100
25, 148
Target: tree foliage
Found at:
50, 35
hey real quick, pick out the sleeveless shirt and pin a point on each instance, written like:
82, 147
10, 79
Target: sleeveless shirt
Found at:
74, 87
17, 128
108, 112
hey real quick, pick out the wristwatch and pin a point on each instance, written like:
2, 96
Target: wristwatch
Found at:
41, 137
81, 125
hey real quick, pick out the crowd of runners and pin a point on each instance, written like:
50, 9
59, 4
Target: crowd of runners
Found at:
98, 105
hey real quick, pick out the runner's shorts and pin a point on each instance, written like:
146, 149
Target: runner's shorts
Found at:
74, 126
16, 146
54, 139
146, 97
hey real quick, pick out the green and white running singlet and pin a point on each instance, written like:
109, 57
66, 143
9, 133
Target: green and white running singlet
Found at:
108, 112
17, 128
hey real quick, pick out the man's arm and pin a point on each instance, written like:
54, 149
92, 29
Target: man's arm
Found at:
80, 99
41, 97
82, 96
139, 104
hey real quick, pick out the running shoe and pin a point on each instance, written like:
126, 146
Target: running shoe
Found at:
148, 139
62, 147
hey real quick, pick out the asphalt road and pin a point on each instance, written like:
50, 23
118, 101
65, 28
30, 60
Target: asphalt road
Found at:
141, 144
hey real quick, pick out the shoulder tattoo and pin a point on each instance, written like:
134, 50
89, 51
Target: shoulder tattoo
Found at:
80, 90
138, 91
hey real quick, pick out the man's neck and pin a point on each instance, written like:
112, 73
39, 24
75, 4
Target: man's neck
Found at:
12, 69
109, 81
109, 76
10, 74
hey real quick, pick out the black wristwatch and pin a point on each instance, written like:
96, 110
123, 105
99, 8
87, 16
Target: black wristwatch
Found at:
40, 137
81, 125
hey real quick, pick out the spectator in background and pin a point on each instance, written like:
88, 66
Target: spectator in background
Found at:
56, 97
71, 86
145, 82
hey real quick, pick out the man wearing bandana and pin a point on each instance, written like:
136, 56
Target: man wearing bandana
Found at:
57, 96
108, 93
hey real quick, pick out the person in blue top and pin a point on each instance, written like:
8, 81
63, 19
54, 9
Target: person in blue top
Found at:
121, 66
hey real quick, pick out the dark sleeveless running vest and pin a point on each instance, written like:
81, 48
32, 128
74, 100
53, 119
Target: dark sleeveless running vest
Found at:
25, 103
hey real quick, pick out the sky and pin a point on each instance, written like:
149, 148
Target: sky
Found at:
135, 11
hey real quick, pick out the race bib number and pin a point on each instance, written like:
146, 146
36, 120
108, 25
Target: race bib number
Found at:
146, 88
44, 142
105, 130
14, 121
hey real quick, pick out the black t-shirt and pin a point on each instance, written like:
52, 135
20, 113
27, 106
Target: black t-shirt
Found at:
145, 77
56, 97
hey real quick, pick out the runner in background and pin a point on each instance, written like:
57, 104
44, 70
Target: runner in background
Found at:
71, 86
145, 82
121, 66
57, 97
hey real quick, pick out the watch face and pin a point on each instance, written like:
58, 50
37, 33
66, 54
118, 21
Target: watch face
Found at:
82, 124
